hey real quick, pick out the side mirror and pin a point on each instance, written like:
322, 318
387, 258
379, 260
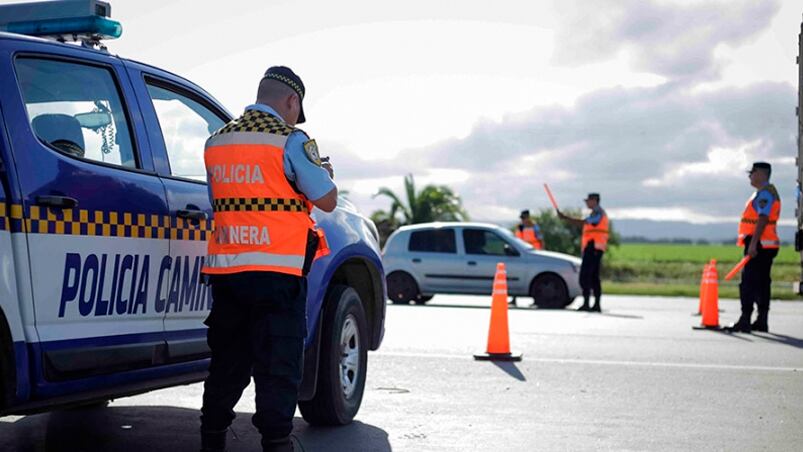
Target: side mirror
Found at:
510, 251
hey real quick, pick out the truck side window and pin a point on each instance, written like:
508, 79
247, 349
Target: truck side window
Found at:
76, 109
185, 124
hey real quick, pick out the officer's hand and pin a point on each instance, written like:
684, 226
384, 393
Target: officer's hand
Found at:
328, 167
752, 251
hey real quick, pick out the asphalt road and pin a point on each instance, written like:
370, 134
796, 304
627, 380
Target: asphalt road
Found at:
635, 377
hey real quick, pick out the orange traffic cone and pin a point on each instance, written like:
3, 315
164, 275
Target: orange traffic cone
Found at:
498, 335
710, 298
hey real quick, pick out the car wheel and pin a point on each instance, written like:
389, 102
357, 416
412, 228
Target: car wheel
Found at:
402, 288
343, 361
549, 291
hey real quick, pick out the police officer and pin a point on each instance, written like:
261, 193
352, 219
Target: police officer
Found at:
758, 235
528, 231
593, 244
264, 177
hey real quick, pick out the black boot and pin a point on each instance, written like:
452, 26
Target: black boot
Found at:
761, 324
584, 307
277, 445
213, 440
742, 326
596, 307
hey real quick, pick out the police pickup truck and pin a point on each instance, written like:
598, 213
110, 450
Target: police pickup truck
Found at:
104, 217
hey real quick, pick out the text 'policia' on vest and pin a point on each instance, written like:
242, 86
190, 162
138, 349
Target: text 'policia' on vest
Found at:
262, 223
597, 233
747, 225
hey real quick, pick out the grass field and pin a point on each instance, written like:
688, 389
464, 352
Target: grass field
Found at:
675, 270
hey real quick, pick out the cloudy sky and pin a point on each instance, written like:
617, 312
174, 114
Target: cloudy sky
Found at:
658, 105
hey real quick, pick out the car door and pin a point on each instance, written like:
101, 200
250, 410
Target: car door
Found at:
433, 254
179, 121
483, 249
94, 214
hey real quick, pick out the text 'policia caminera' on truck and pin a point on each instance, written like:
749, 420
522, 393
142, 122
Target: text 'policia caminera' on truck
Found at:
127, 285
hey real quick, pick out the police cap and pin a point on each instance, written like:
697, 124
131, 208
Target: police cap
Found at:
524, 214
594, 196
286, 75
761, 165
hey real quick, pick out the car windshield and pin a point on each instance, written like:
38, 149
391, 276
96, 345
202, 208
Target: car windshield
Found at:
510, 236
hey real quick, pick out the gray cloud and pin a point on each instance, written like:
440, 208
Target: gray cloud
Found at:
673, 40
617, 140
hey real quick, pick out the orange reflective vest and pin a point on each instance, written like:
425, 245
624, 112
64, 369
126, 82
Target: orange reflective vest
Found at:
747, 225
261, 222
598, 233
527, 233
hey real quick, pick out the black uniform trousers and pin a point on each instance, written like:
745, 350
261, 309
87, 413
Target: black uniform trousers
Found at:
755, 287
589, 272
257, 326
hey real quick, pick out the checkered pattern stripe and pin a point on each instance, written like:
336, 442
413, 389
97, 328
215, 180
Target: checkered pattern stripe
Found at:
256, 121
4, 220
296, 87
41, 220
259, 205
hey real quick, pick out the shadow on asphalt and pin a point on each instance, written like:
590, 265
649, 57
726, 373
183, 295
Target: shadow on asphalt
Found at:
164, 429
510, 369
621, 316
781, 339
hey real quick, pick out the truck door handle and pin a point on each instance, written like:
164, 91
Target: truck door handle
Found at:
191, 214
472, 263
59, 202
416, 261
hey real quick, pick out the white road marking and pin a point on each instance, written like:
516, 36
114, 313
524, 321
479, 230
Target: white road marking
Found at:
602, 362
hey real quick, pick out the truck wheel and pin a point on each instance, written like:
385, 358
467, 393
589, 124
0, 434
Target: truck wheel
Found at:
402, 288
549, 291
343, 361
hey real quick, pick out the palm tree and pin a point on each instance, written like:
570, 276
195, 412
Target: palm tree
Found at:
432, 203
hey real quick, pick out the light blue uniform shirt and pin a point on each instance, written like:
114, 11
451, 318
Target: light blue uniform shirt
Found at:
763, 201
595, 217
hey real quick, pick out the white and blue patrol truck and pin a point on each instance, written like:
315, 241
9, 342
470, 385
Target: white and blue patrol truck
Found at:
104, 217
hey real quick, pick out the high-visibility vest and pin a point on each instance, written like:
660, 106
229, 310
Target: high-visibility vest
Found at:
598, 233
747, 225
261, 222
527, 233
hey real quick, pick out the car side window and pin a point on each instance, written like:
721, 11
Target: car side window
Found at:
433, 241
185, 124
480, 241
76, 109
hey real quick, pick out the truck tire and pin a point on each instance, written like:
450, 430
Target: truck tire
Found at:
343, 361
549, 291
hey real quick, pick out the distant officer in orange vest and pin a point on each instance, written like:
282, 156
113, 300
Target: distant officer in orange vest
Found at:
758, 234
593, 244
528, 231
264, 175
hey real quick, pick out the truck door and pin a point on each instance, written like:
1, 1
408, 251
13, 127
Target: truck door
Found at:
94, 213
179, 120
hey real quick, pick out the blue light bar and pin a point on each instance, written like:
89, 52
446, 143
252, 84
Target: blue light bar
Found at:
81, 26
